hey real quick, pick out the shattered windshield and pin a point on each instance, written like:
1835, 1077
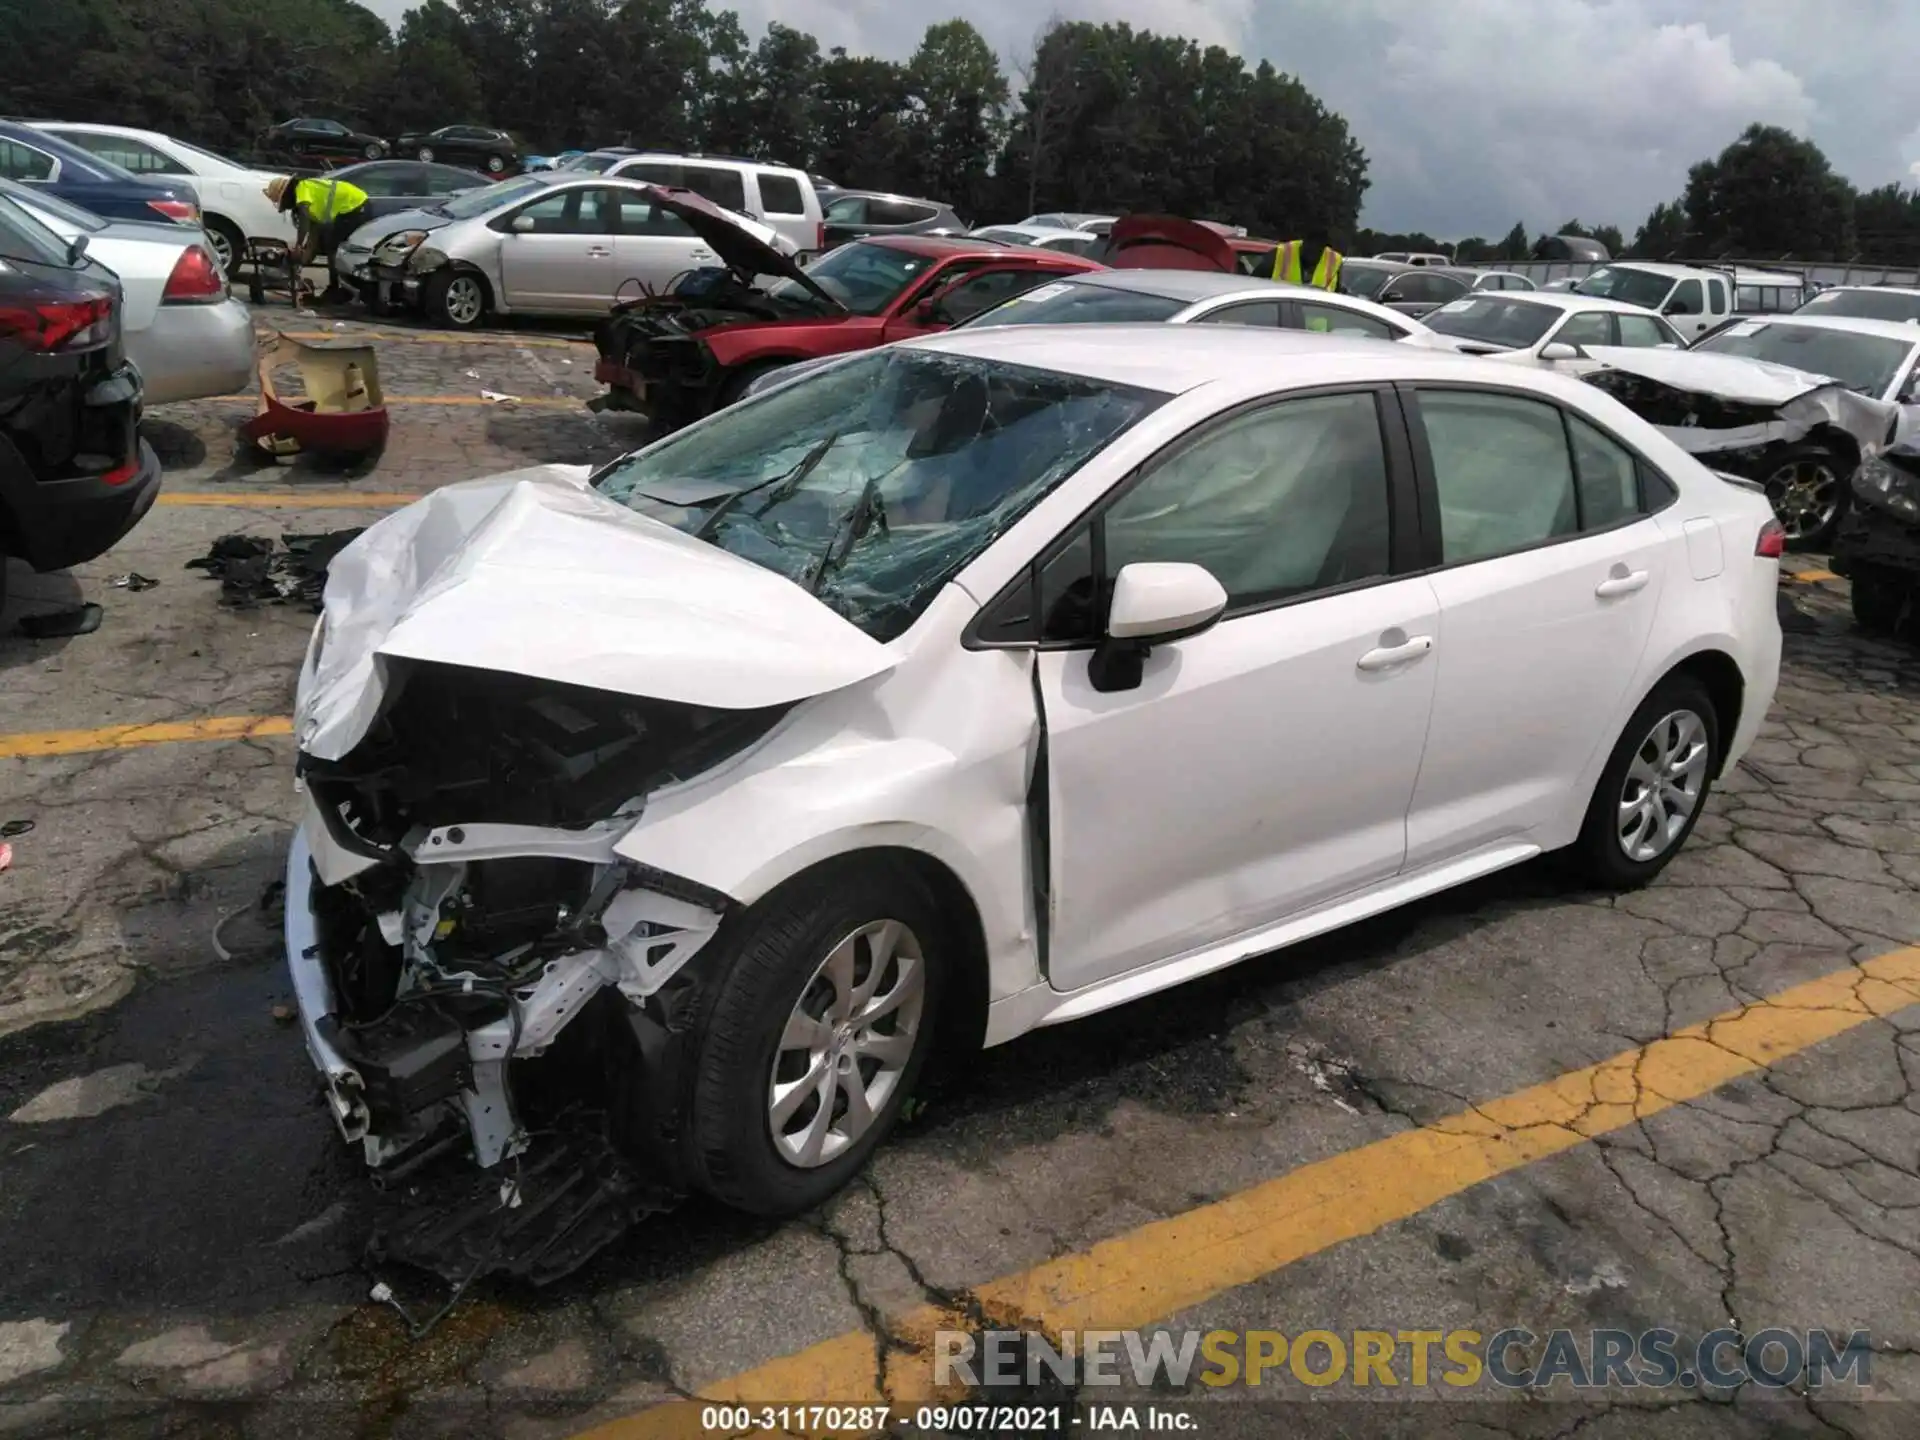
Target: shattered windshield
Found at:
1493, 320
874, 481
1065, 302
1865, 364
1624, 283
1899, 306
864, 278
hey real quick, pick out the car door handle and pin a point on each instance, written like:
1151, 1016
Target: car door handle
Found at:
702, 253
1621, 582
599, 252
1385, 657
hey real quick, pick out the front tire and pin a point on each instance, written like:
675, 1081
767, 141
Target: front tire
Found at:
495, 164
373, 152
824, 1005
1808, 490
424, 154
456, 299
1654, 786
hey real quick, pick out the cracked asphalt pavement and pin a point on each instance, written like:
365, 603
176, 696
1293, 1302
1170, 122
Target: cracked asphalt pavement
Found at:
185, 1232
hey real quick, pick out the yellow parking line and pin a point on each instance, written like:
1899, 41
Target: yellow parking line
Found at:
551, 402
32, 744
312, 499
1168, 1266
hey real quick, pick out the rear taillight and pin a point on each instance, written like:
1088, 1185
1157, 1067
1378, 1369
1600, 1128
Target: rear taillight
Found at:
1772, 543
820, 236
196, 280
58, 324
181, 212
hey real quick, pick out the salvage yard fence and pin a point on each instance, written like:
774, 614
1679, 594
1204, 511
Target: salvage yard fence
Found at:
1542, 271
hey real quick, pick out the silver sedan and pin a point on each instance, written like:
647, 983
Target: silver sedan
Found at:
560, 242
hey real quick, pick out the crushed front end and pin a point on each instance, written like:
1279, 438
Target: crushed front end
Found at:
1878, 545
482, 981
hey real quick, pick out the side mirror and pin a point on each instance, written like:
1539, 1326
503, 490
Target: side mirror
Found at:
1560, 350
1154, 603
76, 249
523, 224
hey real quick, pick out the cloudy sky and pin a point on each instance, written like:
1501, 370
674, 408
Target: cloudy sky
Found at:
1477, 113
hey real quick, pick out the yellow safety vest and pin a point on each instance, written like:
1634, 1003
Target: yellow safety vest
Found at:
1286, 265
323, 200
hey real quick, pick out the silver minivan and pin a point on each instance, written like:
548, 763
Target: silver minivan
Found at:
557, 242
776, 195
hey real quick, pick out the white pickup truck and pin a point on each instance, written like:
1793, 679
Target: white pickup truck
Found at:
1693, 300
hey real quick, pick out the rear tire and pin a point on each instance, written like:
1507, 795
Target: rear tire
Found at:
1635, 824
424, 154
808, 950
227, 242
495, 164
456, 298
736, 385
374, 152
1878, 600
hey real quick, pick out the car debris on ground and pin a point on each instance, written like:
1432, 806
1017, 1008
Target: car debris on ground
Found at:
342, 415
252, 571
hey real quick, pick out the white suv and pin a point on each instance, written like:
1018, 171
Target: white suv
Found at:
1694, 301
775, 195
233, 203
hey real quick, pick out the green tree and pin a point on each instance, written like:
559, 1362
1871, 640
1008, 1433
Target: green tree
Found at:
860, 110
1770, 194
1609, 236
1515, 246
1663, 234
958, 116
1887, 221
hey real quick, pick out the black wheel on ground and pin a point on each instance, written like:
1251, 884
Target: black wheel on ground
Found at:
1653, 788
495, 164
424, 153
821, 1006
455, 298
1808, 486
374, 151
736, 384
1878, 599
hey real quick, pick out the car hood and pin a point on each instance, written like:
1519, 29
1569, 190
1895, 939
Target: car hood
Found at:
742, 249
377, 229
1166, 242
1718, 404
532, 573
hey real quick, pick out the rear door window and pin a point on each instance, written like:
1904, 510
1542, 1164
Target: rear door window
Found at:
1502, 472
898, 212
1261, 314
23, 162
848, 210
1332, 320
1717, 292
393, 180
781, 195
726, 188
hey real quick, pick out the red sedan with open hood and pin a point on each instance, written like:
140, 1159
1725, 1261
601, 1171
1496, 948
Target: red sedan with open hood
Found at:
680, 355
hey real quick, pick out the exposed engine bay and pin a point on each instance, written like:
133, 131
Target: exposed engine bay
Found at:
651, 358
494, 975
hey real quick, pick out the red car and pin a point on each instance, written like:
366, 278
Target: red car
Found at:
1166, 242
680, 355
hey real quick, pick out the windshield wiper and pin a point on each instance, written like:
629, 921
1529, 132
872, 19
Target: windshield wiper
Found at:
787, 482
854, 524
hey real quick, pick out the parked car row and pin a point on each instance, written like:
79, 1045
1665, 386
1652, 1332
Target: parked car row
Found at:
483, 148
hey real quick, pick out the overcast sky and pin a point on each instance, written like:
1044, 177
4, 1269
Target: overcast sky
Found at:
1477, 113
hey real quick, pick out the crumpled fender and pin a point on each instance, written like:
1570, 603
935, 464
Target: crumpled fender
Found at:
878, 765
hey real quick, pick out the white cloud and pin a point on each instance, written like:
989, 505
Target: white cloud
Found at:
1475, 113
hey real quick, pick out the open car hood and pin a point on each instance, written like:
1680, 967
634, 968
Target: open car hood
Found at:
743, 251
1711, 404
1166, 242
533, 573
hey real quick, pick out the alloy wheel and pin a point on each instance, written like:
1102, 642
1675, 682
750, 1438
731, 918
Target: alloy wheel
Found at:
464, 301
1805, 494
847, 1043
222, 249
1664, 783
425, 155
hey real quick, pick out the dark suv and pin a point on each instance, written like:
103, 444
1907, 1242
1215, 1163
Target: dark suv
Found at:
860, 214
74, 474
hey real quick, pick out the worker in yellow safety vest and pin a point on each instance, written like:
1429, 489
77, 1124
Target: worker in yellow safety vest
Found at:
324, 211
1289, 264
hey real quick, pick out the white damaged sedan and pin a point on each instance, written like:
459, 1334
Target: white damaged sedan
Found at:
671, 815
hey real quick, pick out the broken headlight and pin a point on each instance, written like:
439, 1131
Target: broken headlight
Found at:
396, 247
1888, 487
426, 258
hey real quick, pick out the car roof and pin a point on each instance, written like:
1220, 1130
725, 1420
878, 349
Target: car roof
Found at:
1034, 232
894, 195
1873, 289
939, 247
1901, 330
1190, 286
1561, 300
727, 162
1367, 262
1177, 358
1664, 267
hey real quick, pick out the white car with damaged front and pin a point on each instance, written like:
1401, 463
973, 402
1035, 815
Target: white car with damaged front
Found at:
975, 684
